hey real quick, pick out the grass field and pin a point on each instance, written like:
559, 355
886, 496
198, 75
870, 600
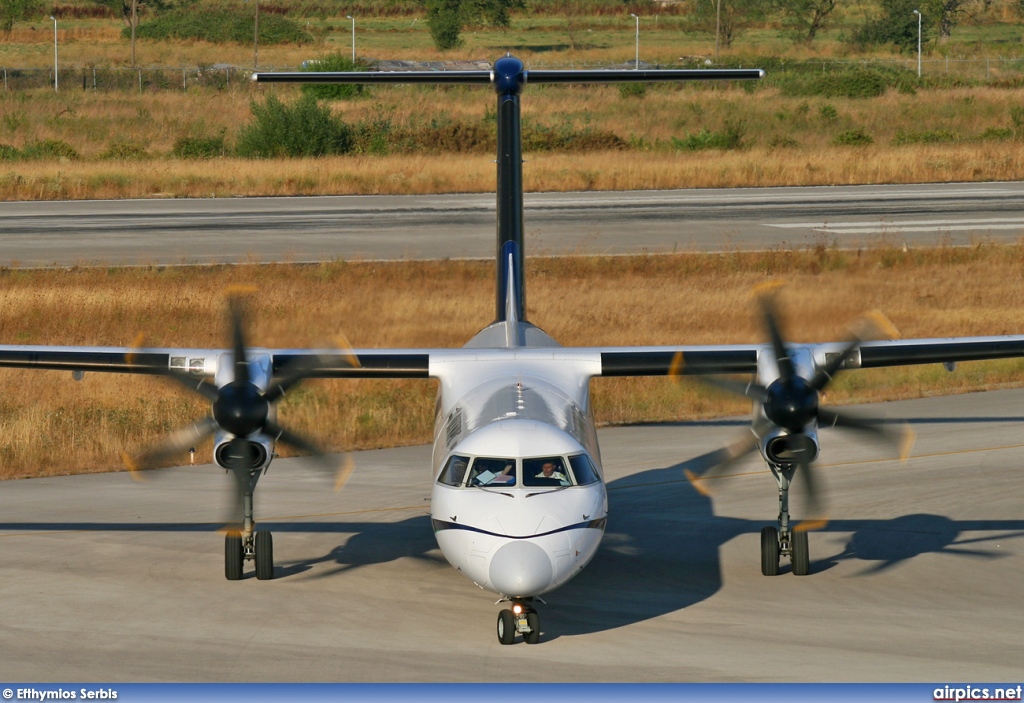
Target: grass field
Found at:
49, 423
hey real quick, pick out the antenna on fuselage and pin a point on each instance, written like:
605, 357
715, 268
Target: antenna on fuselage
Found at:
507, 78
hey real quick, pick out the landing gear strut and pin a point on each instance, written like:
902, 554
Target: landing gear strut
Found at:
520, 618
784, 541
248, 544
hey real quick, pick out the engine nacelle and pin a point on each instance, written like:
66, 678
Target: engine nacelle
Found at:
780, 447
258, 453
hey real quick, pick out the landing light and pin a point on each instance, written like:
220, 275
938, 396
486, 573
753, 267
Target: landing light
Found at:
517, 609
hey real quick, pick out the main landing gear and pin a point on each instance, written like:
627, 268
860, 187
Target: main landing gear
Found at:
520, 618
248, 544
784, 541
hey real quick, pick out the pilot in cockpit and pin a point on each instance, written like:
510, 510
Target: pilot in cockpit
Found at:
547, 470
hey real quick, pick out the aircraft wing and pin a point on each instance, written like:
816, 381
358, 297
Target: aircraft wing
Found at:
663, 361
372, 363
417, 363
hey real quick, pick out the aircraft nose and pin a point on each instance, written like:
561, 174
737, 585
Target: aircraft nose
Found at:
521, 568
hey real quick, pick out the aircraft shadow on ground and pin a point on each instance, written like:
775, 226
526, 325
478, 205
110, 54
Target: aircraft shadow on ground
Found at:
660, 554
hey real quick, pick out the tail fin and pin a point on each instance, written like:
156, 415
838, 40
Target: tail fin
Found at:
507, 78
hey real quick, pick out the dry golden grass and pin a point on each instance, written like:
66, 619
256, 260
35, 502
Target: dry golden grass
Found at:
93, 122
983, 161
51, 425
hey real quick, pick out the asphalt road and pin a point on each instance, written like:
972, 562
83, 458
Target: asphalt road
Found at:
462, 226
917, 577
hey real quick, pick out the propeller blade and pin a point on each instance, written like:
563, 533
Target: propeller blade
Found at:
747, 389
771, 323
903, 438
826, 373
812, 495
342, 472
238, 450
874, 325
296, 440
237, 316
179, 441
714, 464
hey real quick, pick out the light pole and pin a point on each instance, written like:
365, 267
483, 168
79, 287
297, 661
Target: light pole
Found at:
916, 12
350, 17
637, 63
256, 38
54, 18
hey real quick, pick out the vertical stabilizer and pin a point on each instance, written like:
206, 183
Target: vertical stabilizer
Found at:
512, 335
509, 78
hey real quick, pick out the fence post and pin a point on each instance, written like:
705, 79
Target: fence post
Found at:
140, 80
5, 78
184, 88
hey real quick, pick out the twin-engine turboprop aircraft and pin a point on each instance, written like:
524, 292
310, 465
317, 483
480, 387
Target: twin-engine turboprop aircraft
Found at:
519, 502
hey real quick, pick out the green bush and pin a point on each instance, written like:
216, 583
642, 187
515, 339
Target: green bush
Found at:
200, 147
49, 149
632, 90
828, 113
730, 138
333, 91
856, 83
220, 26
997, 134
928, 136
853, 137
8, 153
304, 128
126, 151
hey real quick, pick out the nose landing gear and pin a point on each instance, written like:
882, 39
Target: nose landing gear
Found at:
522, 619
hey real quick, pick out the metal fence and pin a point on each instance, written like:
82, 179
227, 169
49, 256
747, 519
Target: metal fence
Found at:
131, 79
220, 77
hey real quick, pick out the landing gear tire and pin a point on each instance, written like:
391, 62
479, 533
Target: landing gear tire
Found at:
264, 555
506, 627
533, 636
770, 551
234, 556
801, 555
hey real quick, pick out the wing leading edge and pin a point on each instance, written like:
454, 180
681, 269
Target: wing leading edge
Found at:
416, 363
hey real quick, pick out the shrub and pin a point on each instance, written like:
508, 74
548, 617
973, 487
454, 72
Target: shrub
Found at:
200, 147
304, 128
333, 91
828, 113
220, 26
49, 149
853, 137
857, 83
997, 134
730, 138
126, 151
928, 136
8, 152
632, 90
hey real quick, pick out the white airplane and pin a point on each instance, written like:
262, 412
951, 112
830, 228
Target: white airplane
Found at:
519, 503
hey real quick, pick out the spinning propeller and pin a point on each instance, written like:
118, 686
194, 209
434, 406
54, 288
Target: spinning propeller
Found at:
244, 411
791, 402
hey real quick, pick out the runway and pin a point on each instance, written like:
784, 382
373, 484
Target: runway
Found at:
238, 230
917, 577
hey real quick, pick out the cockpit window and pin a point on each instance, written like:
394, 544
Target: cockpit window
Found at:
583, 469
492, 472
545, 471
454, 471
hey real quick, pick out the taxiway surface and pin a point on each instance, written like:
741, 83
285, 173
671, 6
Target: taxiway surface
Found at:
232, 230
917, 578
